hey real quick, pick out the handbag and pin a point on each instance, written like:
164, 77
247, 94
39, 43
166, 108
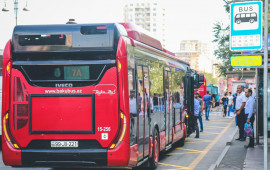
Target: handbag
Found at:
248, 129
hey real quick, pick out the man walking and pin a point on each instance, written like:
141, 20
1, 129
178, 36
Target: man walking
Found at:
249, 108
240, 111
198, 97
207, 102
196, 116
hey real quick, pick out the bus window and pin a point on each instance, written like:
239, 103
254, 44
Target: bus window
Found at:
132, 107
156, 89
253, 15
140, 101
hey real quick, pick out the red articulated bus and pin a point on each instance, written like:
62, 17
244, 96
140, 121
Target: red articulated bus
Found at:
201, 86
98, 95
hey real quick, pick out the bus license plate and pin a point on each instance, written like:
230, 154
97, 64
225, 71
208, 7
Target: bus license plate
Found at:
64, 144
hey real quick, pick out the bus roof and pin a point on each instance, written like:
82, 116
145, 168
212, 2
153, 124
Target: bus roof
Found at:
80, 37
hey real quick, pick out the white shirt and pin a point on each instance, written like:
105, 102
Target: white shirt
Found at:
239, 100
249, 106
132, 106
196, 107
230, 98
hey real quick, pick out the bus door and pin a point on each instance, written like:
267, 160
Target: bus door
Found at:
143, 98
189, 102
168, 105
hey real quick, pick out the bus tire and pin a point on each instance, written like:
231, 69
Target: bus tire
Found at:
181, 142
153, 161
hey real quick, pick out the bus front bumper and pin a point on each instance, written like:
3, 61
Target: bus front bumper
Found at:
54, 158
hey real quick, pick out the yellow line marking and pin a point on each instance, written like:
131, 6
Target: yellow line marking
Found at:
206, 134
212, 128
177, 166
217, 127
189, 149
203, 140
182, 153
212, 133
198, 141
192, 142
207, 149
223, 123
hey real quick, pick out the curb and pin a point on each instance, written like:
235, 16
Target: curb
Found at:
225, 150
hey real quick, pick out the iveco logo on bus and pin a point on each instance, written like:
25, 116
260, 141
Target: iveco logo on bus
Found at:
63, 85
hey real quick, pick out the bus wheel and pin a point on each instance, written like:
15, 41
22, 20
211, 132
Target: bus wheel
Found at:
238, 21
181, 142
153, 161
251, 20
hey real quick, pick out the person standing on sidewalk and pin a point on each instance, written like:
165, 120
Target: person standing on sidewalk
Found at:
196, 116
230, 99
249, 108
198, 97
207, 103
240, 111
225, 104
234, 103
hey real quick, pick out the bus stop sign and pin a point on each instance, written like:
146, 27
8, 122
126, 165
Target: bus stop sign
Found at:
246, 26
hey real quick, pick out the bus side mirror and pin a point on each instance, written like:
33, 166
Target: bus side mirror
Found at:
201, 78
196, 80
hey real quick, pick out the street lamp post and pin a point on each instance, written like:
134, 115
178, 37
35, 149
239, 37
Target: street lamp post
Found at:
16, 7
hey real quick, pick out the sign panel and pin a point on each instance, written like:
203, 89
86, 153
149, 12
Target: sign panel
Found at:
246, 26
246, 61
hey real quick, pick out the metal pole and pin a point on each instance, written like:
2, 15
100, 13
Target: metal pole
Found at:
16, 10
257, 99
265, 71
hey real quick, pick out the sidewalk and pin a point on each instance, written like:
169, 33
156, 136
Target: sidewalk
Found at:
254, 158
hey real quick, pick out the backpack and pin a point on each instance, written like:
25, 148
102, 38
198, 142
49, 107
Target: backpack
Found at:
248, 129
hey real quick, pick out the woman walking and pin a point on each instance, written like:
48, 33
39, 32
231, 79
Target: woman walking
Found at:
225, 104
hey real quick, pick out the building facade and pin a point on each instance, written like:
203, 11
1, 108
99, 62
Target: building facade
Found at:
192, 51
198, 55
148, 14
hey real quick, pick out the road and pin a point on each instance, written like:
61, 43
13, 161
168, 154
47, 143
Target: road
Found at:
197, 153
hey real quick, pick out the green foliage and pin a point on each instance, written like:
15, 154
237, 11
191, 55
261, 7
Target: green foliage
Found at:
209, 78
222, 39
156, 77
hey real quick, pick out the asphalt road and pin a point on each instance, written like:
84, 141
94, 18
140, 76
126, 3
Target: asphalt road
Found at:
197, 153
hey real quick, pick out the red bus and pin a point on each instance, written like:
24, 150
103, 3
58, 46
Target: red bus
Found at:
91, 95
201, 87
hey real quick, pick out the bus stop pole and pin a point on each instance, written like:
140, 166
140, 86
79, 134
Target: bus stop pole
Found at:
265, 70
257, 113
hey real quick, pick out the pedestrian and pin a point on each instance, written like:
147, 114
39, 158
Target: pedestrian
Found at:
133, 114
240, 111
196, 116
249, 113
225, 104
199, 98
155, 102
207, 104
230, 103
234, 103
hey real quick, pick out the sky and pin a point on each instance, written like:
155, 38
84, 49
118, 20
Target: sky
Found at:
185, 20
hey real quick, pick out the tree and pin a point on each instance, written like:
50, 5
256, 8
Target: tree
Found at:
209, 78
222, 38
